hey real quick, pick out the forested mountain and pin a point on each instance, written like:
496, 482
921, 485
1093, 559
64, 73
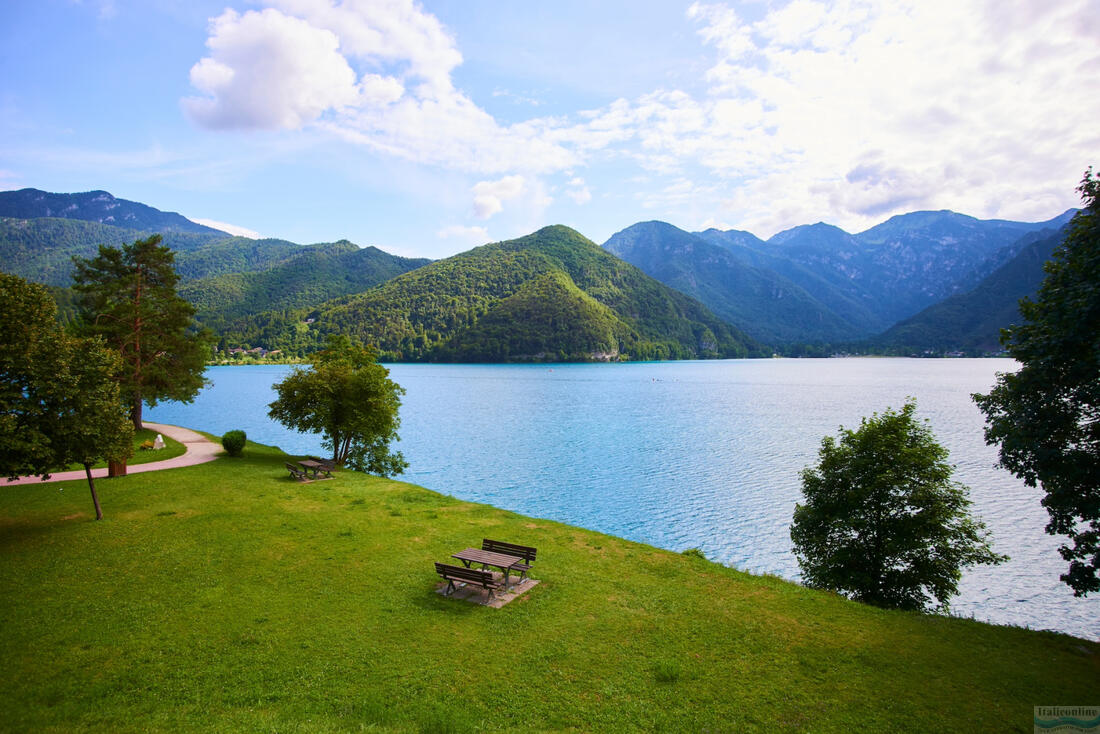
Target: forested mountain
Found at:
308, 276
551, 295
42, 249
971, 322
97, 206
225, 277
818, 283
758, 300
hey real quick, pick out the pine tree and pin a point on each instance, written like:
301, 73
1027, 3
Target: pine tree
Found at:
128, 297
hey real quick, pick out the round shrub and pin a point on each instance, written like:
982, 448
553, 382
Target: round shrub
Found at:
233, 442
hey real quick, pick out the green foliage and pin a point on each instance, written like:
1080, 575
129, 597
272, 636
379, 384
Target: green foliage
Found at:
41, 250
306, 277
553, 293
882, 522
59, 403
349, 399
232, 255
28, 331
694, 553
233, 442
128, 297
1046, 416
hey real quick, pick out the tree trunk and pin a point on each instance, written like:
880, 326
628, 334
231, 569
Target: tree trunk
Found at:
135, 413
95, 498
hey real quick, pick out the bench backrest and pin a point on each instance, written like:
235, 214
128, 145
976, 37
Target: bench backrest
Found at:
294, 469
526, 552
461, 573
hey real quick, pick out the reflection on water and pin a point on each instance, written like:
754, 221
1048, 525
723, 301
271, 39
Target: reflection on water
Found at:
686, 454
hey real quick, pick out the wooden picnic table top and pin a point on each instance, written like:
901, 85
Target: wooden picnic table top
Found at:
311, 463
476, 555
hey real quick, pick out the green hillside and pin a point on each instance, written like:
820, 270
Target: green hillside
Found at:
551, 295
233, 255
41, 250
227, 597
306, 277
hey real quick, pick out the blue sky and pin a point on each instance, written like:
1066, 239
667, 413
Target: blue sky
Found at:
429, 128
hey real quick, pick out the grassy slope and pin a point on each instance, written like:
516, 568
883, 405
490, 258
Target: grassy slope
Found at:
226, 597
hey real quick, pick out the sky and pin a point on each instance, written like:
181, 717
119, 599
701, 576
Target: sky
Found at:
427, 128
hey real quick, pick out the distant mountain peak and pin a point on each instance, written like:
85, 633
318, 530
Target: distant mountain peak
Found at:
96, 206
819, 232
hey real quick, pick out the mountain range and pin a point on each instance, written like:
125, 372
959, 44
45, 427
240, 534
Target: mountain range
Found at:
919, 281
816, 283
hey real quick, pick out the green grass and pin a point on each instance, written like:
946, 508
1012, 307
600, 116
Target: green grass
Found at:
172, 449
226, 597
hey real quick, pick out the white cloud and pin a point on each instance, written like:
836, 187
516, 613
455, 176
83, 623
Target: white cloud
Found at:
232, 229
393, 31
845, 110
472, 235
269, 71
489, 196
578, 191
291, 65
853, 110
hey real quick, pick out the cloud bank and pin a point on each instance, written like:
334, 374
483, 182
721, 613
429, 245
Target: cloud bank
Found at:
847, 110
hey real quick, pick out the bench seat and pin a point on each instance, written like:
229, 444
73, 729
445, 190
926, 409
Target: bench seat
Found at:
458, 574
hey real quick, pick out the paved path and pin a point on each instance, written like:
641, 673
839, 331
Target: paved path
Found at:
199, 451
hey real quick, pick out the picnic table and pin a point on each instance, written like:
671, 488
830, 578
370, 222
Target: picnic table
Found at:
316, 467
503, 561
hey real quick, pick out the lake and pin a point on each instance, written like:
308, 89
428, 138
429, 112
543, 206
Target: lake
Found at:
700, 454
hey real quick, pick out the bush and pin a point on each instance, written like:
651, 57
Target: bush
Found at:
233, 442
146, 446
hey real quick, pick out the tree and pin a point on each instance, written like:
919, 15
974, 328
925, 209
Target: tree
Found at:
883, 523
27, 319
128, 297
348, 398
1046, 416
59, 401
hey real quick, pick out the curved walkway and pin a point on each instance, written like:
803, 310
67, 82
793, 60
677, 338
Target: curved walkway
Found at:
199, 451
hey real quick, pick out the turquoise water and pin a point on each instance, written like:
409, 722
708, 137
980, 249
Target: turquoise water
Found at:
685, 454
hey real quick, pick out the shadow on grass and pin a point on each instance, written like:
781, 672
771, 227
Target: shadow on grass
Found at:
16, 533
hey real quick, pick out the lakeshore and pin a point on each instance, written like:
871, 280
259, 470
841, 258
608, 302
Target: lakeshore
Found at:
686, 454
226, 596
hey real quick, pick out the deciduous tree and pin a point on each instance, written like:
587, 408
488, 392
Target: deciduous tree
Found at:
128, 297
882, 521
1046, 416
348, 398
59, 401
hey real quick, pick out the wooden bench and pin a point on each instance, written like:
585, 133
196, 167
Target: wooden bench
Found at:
452, 574
526, 552
296, 473
327, 466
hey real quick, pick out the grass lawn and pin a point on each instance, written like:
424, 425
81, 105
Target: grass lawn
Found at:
226, 597
172, 449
